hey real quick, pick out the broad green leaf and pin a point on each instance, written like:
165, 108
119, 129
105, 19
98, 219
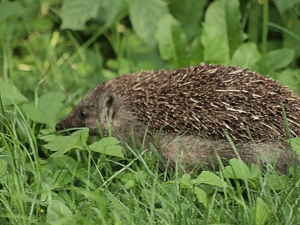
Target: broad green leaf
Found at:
8, 9
46, 170
262, 212
144, 56
283, 5
210, 178
48, 137
215, 49
130, 184
140, 175
132, 179
195, 53
75, 168
10, 94
58, 211
75, 13
59, 179
65, 162
65, 143
274, 60
171, 40
234, 30
185, 181
127, 177
109, 14
290, 78
109, 146
277, 182
47, 108
83, 174
295, 142
189, 13
144, 17
201, 196
238, 169
222, 32
246, 55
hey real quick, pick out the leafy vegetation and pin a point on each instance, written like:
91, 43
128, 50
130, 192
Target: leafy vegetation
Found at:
53, 51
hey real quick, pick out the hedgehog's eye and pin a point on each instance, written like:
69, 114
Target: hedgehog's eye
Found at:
82, 115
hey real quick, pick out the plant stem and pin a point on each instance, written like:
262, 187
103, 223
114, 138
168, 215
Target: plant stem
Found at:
265, 27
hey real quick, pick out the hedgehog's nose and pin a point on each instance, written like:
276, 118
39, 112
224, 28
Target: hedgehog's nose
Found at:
58, 127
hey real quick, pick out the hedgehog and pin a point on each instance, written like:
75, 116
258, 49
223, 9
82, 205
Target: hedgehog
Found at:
193, 112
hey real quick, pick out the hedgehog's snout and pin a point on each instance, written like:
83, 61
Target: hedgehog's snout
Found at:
59, 126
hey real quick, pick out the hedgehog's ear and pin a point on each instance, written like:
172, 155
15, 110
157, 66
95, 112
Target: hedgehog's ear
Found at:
109, 104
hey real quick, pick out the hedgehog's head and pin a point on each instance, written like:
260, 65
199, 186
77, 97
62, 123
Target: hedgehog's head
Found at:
97, 105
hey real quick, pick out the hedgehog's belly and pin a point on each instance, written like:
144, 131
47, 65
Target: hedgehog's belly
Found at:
196, 153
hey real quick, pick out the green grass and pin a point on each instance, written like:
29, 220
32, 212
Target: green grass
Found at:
50, 58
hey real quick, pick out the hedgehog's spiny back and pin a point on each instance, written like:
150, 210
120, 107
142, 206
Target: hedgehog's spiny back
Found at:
209, 99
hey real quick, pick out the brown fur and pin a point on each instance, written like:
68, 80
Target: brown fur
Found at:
206, 99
